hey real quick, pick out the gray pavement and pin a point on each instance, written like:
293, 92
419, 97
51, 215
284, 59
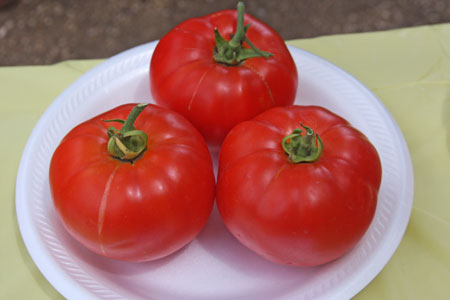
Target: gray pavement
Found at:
48, 31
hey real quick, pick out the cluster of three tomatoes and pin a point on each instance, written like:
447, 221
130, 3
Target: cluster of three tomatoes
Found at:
296, 184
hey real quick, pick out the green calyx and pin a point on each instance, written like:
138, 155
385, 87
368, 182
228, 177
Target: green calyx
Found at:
233, 53
128, 142
302, 145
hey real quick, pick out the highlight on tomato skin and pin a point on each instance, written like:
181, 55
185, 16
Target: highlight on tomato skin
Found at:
135, 183
222, 69
298, 185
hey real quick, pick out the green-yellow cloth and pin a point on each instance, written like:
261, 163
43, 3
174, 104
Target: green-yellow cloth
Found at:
408, 69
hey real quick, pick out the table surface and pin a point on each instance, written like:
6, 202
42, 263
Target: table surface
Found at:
409, 71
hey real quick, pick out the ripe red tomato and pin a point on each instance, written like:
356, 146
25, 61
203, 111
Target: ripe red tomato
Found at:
293, 196
217, 84
149, 199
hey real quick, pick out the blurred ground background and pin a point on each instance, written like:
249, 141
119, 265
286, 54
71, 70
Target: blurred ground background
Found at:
48, 31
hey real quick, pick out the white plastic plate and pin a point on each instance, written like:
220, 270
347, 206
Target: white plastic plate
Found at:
214, 265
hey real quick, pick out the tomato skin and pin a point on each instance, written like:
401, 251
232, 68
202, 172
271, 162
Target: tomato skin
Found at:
303, 214
213, 96
133, 212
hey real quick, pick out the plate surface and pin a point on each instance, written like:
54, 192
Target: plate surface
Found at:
214, 265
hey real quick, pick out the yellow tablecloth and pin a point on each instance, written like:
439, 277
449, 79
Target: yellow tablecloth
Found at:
408, 69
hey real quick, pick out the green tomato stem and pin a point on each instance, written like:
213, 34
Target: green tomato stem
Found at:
239, 35
128, 142
302, 145
232, 53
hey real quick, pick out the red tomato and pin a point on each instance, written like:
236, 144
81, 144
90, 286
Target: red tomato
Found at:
133, 209
295, 197
216, 86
